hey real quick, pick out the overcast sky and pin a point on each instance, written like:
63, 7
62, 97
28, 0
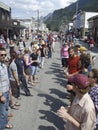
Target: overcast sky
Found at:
29, 8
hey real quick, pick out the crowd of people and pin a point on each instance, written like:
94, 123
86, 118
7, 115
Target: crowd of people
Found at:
82, 86
19, 66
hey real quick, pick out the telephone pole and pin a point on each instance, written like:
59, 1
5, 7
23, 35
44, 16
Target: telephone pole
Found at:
76, 15
38, 19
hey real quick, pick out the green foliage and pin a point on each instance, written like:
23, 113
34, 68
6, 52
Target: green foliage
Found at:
64, 16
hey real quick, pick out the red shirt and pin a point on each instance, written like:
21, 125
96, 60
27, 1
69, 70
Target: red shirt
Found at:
73, 64
1, 45
91, 41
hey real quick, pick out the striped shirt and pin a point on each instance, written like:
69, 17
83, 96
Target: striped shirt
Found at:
94, 96
4, 80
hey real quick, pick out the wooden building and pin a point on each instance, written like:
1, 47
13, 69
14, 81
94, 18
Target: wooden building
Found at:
5, 19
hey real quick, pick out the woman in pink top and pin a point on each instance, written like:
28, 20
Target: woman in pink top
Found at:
64, 55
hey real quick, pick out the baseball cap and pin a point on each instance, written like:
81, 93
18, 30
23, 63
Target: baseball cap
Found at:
80, 80
82, 48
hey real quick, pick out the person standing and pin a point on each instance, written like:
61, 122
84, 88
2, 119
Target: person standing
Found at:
73, 62
4, 92
27, 66
34, 65
21, 73
21, 45
11, 46
93, 78
42, 55
91, 42
13, 75
64, 55
81, 114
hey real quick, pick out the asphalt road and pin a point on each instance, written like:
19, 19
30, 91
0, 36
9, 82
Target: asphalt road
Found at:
39, 112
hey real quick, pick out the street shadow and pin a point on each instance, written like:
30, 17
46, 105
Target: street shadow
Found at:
56, 64
63, 95
51, 116
62, 82
53, 102
46, 128
59, 74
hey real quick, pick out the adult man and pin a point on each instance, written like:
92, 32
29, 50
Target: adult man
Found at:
21, 75
4, 92
81, 114
73, 67
73, 62
13, 76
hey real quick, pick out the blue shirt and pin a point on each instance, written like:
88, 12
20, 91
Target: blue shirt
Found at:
19, 64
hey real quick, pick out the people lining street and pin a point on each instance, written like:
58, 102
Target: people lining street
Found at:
23, 66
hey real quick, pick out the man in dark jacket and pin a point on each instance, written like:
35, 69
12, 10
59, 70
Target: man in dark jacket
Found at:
21, 75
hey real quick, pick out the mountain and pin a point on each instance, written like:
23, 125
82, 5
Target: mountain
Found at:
64, 16
48, 16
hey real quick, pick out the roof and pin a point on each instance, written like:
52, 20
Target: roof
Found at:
4, 6
92, 18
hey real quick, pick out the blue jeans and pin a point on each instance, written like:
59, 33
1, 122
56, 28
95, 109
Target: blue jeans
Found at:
34, 70
24, 84
49, 54
96, 127
4, 111
42, 60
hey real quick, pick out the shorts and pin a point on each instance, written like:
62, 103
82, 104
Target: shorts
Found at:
91, 45
34, 70
28, 71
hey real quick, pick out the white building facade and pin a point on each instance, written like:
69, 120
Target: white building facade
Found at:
80, 22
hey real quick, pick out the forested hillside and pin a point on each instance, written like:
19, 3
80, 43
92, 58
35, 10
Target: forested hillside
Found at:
64, 16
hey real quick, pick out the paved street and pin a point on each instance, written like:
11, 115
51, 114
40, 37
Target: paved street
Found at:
39, 112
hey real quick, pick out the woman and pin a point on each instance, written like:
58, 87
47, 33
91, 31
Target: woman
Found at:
27, 65
64, 55
34, 65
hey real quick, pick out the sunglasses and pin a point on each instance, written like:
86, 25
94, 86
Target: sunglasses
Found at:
3, 55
